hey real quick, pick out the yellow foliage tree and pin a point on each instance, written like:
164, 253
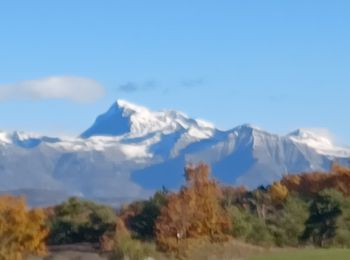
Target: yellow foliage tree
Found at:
278, 192
22, 231
192, 213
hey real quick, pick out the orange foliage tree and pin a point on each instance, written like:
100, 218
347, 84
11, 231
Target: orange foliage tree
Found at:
193, 212
309, 184
22, 231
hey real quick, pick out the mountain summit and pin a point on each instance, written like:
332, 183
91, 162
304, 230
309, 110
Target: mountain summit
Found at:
125, 118
116, 121
130, 151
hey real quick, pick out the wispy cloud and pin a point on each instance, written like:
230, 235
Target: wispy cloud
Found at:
136, 86
193, 83
277, 97
132, 86
76, 89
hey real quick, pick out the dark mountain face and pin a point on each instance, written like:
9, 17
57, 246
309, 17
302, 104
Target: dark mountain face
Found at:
112, 123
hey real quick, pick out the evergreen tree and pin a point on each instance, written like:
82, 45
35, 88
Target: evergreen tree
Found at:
321, 225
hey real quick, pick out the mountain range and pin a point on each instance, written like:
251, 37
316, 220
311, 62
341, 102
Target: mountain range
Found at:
131, 151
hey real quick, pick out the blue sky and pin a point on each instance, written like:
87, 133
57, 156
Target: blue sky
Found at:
279, 65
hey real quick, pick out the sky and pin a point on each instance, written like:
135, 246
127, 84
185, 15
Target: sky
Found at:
279, 65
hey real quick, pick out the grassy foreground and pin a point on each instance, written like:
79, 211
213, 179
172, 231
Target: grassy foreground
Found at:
306, 254
233, 250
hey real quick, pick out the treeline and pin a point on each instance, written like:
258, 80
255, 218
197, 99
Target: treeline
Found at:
299, 210
305, 209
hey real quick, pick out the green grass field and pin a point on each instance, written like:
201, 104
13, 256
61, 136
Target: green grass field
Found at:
307, 254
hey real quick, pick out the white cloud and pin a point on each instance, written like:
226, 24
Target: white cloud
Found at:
77, 89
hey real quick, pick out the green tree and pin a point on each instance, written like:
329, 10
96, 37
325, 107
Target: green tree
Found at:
287, 223
321, 225
249, 227
78, 220
143, 223
342, 237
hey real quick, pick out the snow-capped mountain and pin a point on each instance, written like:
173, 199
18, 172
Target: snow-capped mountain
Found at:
130, 151
132, 121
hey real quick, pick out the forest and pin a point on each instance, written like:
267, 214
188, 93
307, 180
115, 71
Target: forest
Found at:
303, 210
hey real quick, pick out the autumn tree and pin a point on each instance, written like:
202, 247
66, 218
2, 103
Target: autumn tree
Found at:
278, 192
22, 231
341, 170
194, 212
310, 184
259, 201
232, 195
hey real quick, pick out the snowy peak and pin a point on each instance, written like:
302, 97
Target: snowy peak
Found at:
116, 121
25, 140
318, 139
313, 138
5, 138
130, 108
247, 129
127, 119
